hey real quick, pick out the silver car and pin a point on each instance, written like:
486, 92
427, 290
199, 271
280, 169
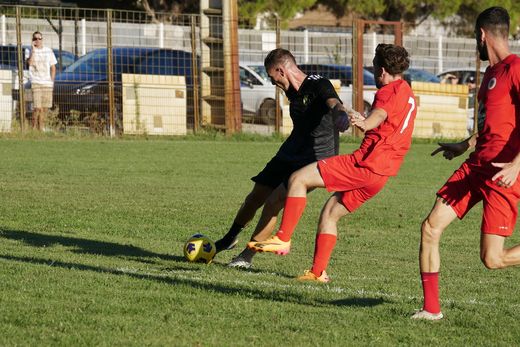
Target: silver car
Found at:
258, 93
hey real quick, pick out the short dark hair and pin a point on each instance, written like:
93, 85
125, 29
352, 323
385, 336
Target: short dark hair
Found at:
393, 58
495, 20
278, 56
37, 32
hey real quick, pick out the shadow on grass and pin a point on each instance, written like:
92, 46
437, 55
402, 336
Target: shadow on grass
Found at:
88, 246
252, 270
262, 293
85, 246
361, 302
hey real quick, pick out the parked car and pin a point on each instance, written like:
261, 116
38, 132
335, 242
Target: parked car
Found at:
337, 72
418, 75
9, 61
257, 94
464, 75
9, 57
81, 90
343, 73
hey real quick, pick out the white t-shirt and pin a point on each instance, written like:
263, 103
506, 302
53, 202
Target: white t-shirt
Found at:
40, 70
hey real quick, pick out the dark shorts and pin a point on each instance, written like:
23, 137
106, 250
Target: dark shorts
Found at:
278, 171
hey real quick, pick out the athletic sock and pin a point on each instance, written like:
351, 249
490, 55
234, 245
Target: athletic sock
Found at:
292, 213
430, 284
229, 238
234, 230
322, 251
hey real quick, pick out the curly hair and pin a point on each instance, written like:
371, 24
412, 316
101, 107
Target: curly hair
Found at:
278, 56
393, 58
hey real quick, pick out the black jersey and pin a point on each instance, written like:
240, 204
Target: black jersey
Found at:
314, 135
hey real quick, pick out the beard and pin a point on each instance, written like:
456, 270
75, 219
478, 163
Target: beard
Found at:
482, 51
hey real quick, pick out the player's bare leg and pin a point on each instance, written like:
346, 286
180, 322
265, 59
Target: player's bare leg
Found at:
254, 200
265, 226
432, 228
36, 117
330, 215
41, 119
326, 238
494, 255
300, 182
305, 180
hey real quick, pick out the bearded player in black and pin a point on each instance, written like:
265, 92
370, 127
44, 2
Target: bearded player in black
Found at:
318, 115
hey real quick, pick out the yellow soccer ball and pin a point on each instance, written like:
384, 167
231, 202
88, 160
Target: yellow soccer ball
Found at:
199, 248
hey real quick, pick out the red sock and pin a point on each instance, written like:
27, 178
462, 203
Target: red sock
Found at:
430, 283
322, 251
292, 213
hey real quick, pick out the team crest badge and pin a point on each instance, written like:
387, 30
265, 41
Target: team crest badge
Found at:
492, 83
306, 100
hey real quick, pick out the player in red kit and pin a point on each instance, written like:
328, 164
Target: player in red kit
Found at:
355, 177
490, 174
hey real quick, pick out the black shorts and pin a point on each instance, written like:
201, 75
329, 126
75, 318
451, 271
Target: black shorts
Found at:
278, 171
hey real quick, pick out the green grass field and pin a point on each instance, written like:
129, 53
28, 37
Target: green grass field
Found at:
91, 235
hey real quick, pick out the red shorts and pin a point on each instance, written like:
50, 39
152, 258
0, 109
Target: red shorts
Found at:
357, 184
466, 187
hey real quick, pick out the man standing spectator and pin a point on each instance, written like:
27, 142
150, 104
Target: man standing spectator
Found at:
42, 70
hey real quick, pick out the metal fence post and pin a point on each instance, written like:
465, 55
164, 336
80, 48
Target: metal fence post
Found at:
21, 92
278, 113
357, 70
161, 35
4, 31
83, 36
439, 55
76, 18
195, 75
475, 97
111, 102
232, 106
306, 46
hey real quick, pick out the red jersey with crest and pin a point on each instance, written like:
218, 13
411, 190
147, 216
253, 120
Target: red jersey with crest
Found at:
383, 148
498, 117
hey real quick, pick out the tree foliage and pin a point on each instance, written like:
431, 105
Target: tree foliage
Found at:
412, 12
283, 9
166, 10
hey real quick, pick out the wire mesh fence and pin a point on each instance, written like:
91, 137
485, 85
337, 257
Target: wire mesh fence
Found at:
120, 72
116, 73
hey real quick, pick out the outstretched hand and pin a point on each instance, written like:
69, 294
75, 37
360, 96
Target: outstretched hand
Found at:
451, 150
357, 119
507, 176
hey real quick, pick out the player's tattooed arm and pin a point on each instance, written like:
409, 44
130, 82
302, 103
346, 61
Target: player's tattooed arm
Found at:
452, 150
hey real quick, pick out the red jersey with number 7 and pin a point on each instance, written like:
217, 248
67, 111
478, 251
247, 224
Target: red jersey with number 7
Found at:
383, 148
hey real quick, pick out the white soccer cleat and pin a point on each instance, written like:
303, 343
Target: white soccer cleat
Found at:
240, 262
425, 315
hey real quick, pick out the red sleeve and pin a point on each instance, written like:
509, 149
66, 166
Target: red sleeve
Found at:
515, 76
384, 99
